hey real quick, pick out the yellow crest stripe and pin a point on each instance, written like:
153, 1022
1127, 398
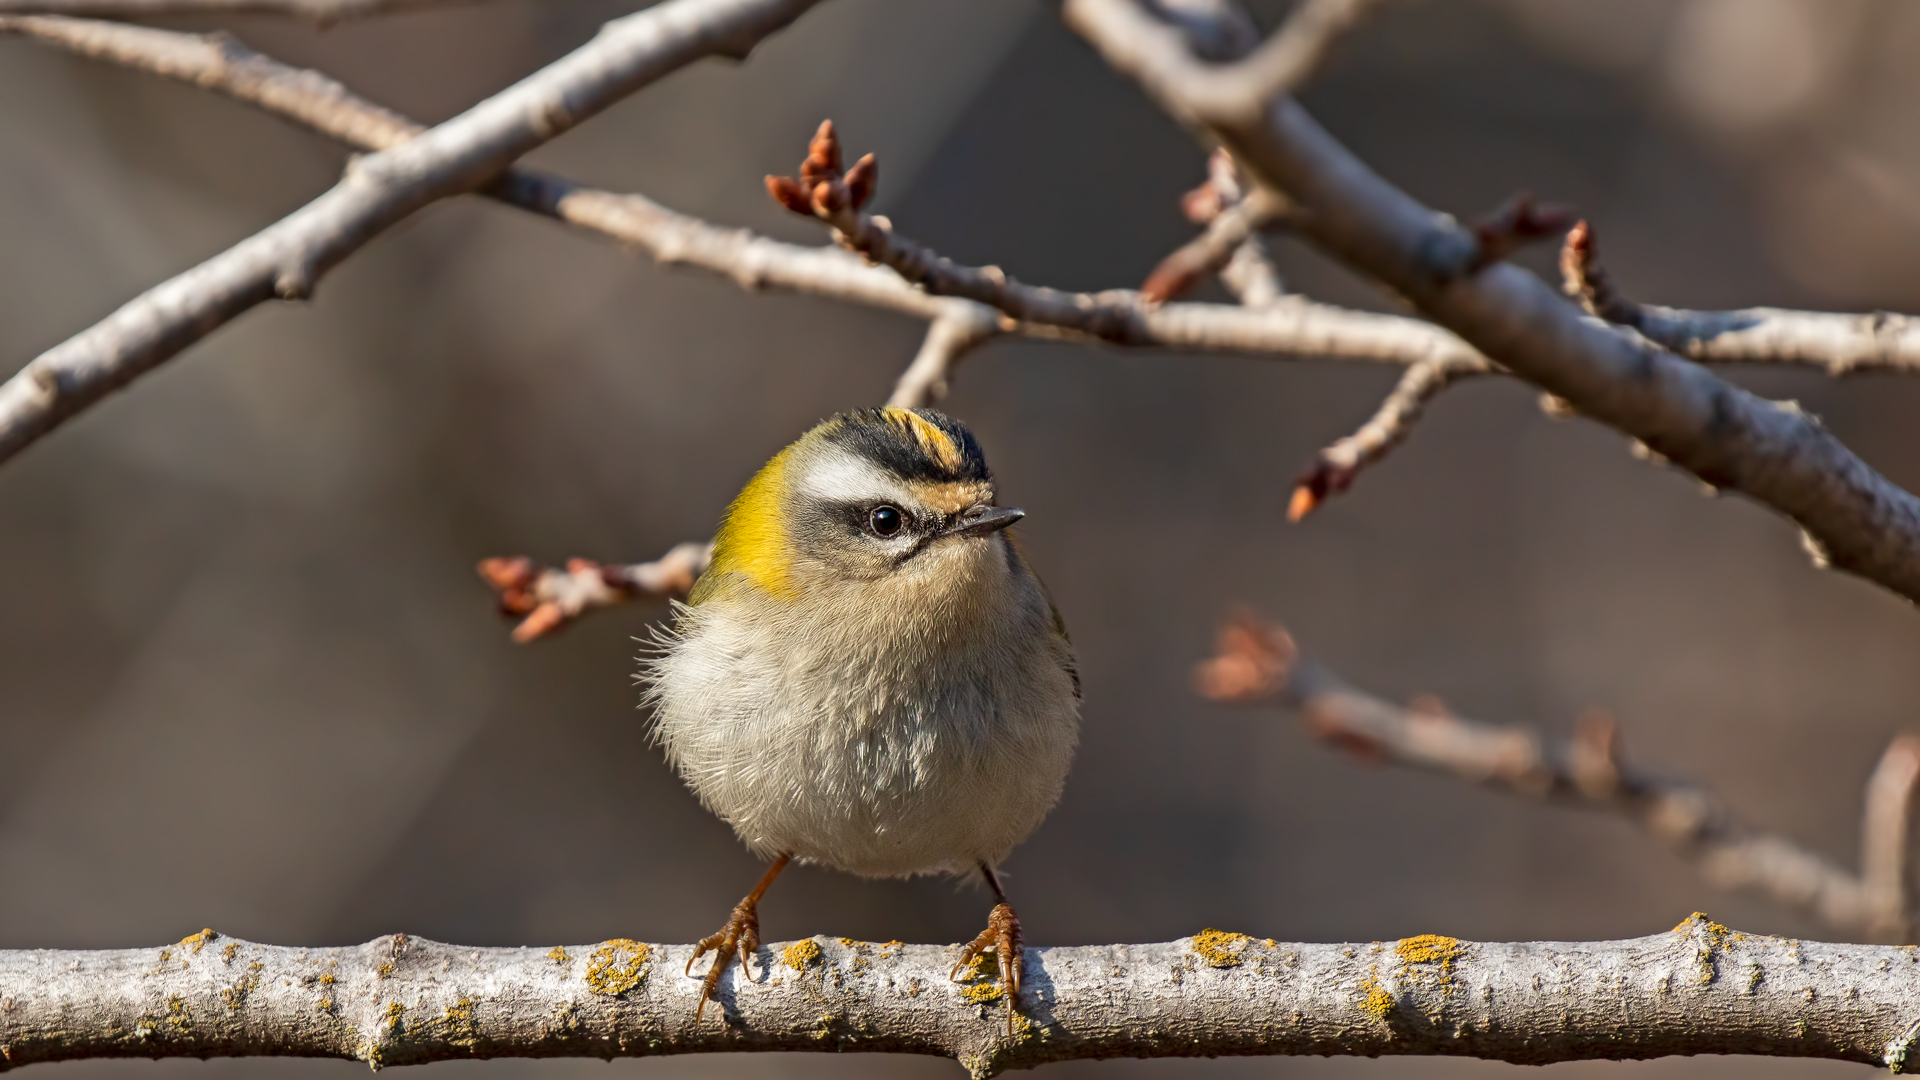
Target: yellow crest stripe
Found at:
753, 540
938, 444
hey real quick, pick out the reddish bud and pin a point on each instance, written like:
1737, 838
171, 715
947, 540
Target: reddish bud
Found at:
829, 198
1173, 277
1202, 204
515, 572
1322, 480
823, 156
788, 193
862, 180
1304, 502
545, 620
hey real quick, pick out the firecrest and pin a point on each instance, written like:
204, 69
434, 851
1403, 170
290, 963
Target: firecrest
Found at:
869, 677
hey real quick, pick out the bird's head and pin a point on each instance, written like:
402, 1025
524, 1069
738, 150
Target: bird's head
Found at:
864, 496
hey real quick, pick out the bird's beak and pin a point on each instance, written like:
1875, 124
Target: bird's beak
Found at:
982, 520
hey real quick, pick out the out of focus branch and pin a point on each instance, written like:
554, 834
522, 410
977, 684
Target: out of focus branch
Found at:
323, 12
1233, 217
1267, 323
950, 337
547, 598
1697, 989
1333, 469
1295, 328
287, 259
1853, 518
1258, 661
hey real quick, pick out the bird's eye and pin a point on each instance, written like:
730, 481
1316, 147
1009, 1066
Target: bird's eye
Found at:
885, 520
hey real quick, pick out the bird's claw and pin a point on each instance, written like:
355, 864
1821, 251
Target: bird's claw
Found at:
738, 938
1002, 935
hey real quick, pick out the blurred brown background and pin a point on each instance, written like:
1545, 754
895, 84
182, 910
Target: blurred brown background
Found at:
248, 679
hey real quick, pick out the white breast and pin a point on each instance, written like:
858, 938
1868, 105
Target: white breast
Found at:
925, 726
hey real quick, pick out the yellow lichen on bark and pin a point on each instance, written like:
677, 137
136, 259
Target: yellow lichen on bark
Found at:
1375, 1001
608, 974
1219, 948
801, 954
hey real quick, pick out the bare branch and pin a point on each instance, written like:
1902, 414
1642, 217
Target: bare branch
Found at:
1334, 469
545, 599
323, 12
218, 62
1841, 344
1258, 661
1229, 229
1251, 276
1854, 518
1247, 271
287, 259
1292, 326
1883, 833
949, 338
1285, 61
1697, 989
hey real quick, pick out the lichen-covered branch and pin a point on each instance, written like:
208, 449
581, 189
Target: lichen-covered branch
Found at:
1698, 989
1853, 518
1257, 661
287, 259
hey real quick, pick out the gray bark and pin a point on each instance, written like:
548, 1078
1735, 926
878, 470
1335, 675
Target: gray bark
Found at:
1853, 518
287, 259
1700, 989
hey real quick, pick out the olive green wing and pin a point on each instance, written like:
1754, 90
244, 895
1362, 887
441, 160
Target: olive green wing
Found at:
1068, 661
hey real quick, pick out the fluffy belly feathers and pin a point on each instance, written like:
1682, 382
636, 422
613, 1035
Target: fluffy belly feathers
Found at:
851, 758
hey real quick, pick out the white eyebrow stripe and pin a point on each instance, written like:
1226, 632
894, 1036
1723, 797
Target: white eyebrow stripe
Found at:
845, 477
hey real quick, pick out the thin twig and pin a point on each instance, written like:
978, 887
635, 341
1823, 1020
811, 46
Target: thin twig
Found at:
287, 259
950, 337
1841, 344
1258, 661
1249, 273
1293, 327
1209, 253
1852, 517
1334, 469
1251, 276
546, 598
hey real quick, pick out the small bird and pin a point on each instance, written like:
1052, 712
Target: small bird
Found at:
868, 676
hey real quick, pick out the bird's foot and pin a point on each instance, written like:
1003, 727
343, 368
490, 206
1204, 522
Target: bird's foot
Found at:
1002, 935
739, 937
